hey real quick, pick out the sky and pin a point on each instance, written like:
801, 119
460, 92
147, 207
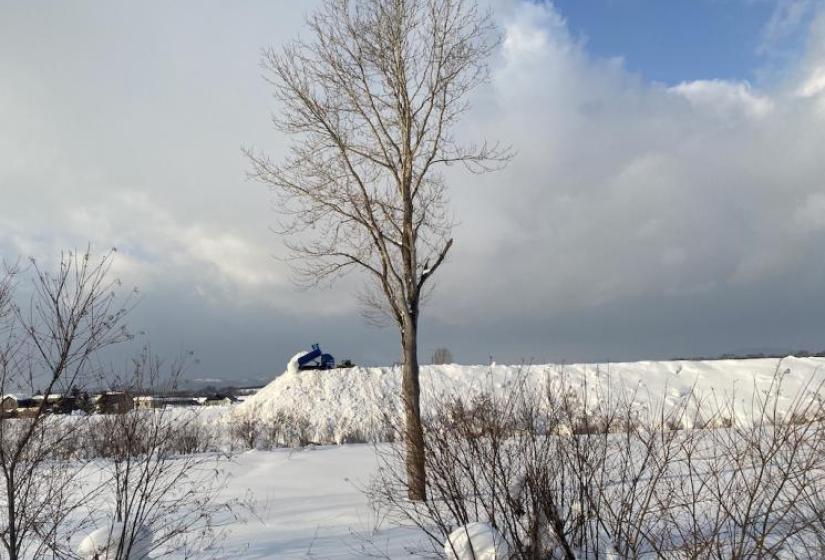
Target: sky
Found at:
667, 197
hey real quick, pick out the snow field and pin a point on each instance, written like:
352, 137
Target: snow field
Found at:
310, 503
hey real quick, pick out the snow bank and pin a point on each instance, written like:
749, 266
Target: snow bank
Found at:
354, 400
476, 541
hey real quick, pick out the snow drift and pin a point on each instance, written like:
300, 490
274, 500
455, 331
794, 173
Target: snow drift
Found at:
103, 543
341, 402
476, 541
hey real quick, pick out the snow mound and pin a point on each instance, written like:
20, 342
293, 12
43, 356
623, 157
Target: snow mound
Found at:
476, 541
351, 404
103, 543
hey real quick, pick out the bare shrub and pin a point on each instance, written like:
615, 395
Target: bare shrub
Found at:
49, 343
582, 472
285, 429
163, 497
254, 427
245, 428
297, 430
191, 435
274, 428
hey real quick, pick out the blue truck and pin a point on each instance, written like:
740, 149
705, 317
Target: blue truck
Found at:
316, 359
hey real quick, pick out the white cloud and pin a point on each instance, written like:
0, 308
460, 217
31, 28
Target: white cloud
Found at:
809, 216
626, 189
814, 85
622, 190
787, 17
722, 98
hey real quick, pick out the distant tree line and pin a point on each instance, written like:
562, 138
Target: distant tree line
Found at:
757, 355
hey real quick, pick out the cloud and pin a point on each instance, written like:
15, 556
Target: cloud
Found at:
626, 189
811, 72
787, 17
637, 220
724, 99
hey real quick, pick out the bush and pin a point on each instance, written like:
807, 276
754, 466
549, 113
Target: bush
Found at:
245, 428
567, 473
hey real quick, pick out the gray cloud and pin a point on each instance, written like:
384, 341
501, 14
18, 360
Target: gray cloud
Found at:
638, 220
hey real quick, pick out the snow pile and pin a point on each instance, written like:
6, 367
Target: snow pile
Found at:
336, 404
476, 541
103, 543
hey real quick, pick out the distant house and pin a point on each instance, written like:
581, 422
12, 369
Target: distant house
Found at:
150, 401
12, 406
247, 391
146, 401
56, 403
112, 402
219, 400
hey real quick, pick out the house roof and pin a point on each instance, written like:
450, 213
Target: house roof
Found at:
22, 402
51, 397
219, 397
109, 395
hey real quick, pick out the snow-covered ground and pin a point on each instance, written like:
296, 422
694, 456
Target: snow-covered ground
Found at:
286, 503
309, 504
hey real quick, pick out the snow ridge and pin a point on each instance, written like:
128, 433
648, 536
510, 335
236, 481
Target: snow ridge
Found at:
355, 400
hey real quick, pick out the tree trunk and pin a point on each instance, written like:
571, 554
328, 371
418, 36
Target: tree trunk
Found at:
11, 511
414, 433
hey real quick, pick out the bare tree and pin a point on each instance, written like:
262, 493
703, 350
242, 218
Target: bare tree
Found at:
441, 356
371, 102
50, 343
